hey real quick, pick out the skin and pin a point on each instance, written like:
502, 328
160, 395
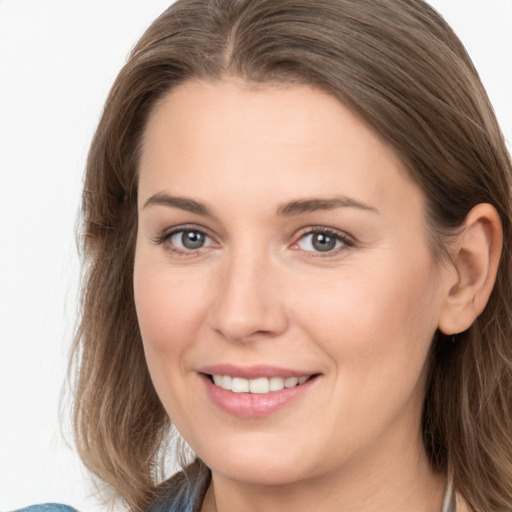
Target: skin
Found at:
361, 316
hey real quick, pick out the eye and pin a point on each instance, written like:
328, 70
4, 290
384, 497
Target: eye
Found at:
189, 239
184, 241
322, 241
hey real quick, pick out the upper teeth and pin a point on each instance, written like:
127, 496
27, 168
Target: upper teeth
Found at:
260, 385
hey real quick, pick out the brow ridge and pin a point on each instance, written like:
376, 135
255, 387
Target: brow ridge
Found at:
314, 204
183, 203
291, 208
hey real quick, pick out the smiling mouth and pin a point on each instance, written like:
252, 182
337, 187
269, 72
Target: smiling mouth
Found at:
260, 385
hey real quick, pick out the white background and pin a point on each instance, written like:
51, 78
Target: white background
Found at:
58, 59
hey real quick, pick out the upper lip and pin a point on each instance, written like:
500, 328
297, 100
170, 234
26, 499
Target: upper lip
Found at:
253, 372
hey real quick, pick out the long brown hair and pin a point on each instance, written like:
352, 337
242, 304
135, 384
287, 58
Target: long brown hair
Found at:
401, 68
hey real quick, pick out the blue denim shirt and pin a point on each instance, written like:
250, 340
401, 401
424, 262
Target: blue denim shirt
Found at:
188, 505
47, 507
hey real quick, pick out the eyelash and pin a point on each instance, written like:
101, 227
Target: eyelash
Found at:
166, 236
346, 241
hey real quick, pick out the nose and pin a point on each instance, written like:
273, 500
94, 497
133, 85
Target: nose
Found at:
249, 302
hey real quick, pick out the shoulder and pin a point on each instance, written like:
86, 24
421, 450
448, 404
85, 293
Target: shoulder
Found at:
184, 491
47, 507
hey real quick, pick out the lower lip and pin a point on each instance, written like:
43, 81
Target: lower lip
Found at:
254, 405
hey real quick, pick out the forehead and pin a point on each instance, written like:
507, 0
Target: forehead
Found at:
204, 136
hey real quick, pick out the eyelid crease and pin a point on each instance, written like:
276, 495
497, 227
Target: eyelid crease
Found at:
343, 235
347, 241
166, 234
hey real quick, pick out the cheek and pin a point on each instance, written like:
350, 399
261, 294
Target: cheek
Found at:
376, 331
380, 317
169, 306
169, 311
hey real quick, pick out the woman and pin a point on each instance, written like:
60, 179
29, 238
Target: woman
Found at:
297, 230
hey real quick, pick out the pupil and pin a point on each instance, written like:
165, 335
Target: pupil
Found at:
192, 239
323, 243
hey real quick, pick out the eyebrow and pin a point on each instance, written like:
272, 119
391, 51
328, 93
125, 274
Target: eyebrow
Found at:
183, 203
289, 209
313, 205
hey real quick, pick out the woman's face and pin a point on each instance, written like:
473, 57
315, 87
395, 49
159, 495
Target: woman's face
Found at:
282, 253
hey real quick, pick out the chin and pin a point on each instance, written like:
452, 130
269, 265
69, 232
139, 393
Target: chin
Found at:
264, 472
258, 462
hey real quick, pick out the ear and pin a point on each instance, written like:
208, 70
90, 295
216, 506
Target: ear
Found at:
475, 259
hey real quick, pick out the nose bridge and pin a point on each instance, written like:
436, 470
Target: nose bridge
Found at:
248, 303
